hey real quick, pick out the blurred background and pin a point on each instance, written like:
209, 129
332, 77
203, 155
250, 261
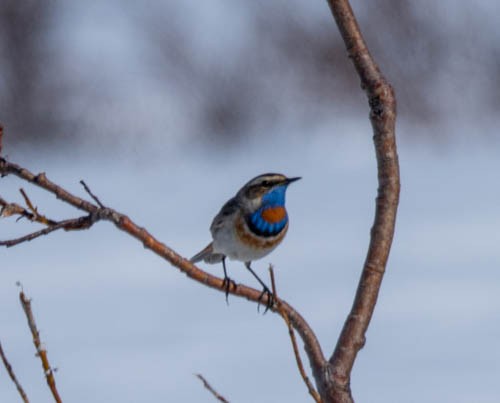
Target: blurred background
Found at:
166, 108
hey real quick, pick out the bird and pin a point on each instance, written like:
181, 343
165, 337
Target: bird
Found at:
249, 226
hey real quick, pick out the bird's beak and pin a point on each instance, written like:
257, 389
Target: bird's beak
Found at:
290, 180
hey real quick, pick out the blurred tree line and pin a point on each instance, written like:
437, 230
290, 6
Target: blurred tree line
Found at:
227, 69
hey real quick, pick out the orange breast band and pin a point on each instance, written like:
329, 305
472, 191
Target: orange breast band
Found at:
274, 214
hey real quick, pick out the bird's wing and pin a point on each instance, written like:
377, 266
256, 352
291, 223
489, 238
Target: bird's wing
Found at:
227, 210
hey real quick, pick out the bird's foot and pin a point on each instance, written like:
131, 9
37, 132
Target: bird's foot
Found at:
270, 299
226, 284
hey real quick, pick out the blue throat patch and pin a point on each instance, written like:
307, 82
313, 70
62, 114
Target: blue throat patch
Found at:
275, 197
261, 227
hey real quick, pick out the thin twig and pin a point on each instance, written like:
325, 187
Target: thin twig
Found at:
207, 386
10, 209
87, 189
12, 375
83, 222
312, 391
40, 351
28, 202
36, 216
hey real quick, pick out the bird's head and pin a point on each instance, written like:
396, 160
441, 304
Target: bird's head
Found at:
267, 190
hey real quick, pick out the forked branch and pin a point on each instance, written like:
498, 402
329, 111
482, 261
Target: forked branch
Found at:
97, 213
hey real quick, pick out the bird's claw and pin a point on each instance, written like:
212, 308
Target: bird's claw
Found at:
270, 299
226, 284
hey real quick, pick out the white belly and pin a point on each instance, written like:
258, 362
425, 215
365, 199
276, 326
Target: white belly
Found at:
227, 241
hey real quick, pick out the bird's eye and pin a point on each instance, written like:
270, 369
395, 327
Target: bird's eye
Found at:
266, 184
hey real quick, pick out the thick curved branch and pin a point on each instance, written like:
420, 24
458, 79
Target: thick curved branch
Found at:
382, 104
124, 223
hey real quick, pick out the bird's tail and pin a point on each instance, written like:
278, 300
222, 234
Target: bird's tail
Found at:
207, 255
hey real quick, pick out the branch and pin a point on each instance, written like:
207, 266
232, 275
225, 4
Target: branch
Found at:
9, 209
79, 223
207, 386
382, 102
315, 395
36, 217
31, 213
9, 369
124, 223
40, 351
87, 189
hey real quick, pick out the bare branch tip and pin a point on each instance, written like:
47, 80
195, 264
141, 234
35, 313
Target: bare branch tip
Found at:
207, 386
92, 195
273, 282
41, 352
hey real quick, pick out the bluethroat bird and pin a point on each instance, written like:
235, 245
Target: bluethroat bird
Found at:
249, 226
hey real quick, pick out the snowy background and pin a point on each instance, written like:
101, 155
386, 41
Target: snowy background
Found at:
162, 111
